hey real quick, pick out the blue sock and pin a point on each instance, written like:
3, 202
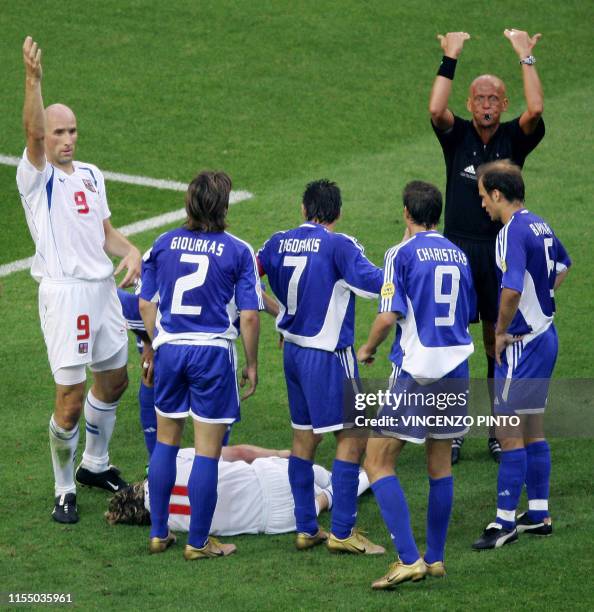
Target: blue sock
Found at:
301, 479
345, 482
538, 474
441, 497
202, 491
392, 504
148, 416
161, 478
512, 473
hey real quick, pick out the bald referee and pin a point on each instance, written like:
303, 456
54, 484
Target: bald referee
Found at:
467, 144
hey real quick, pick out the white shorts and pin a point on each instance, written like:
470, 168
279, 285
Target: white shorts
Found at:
82, 322
279, 506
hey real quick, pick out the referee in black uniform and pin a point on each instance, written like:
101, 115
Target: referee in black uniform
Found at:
468, 144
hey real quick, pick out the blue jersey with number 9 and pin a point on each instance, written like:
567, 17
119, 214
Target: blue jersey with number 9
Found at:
427, 280
200, 280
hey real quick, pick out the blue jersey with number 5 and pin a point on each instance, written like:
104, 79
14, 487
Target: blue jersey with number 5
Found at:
529, 256
201, 280
428, 281
315, 275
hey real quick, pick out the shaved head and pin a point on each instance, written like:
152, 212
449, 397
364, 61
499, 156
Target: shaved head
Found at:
59, 113
486, 101
487, 80
60, 135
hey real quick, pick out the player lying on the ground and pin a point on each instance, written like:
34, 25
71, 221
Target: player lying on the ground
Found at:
254, 495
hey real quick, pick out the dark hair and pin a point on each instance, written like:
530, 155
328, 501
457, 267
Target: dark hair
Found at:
322, 201
423, 202
504, 176
127, 507
207, 201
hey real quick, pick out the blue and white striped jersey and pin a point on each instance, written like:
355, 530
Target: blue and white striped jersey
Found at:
315, 275
200, 280
529, 256
427, 280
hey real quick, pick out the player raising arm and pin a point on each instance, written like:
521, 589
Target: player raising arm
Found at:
315, 274
201, 276
67, 213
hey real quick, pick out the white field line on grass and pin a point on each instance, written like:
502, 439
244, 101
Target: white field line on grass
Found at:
132, 228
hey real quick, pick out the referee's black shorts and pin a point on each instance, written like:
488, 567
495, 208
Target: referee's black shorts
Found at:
481, 256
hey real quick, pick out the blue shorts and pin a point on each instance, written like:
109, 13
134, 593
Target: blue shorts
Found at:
316, 382
198, 380
437, 410
522, 379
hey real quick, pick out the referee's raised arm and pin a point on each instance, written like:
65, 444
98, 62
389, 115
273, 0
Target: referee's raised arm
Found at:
523, 44
452, 44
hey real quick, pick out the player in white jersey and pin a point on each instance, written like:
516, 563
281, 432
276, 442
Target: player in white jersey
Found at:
254, 495
81, 318
532, 263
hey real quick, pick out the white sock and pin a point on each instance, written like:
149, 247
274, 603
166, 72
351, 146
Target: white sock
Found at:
100, 417
63, 443
363, 482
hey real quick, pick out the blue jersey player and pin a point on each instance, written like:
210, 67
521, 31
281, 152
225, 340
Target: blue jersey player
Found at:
428, 293
315, 274
532, 263
201, 276
146, 400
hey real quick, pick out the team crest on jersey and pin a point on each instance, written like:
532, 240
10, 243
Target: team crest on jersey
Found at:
83, 348
387, 290
89, 185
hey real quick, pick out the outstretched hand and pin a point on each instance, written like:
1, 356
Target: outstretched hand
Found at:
453, 42
521, 41
32, 59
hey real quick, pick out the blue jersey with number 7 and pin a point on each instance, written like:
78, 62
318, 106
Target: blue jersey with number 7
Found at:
315, 274
427, 280
200, 280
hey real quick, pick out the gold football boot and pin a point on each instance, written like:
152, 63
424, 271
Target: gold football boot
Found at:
212, 549
398, 572
159, 545
303, 541
355, 544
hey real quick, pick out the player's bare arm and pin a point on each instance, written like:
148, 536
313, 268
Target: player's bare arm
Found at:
117, 245
523, 44
508, 306
561, 276
148, 312
380, 330
147, 365
249, 323
441, 116
33, 113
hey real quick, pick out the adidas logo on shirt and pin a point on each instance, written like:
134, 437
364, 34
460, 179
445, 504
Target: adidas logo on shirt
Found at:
470, 169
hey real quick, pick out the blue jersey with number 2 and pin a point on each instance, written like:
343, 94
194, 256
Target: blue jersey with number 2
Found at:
200, 280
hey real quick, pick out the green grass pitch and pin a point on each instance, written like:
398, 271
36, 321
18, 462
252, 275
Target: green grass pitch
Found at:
278, 93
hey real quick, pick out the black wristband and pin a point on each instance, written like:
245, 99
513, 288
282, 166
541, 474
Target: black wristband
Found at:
447, 68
